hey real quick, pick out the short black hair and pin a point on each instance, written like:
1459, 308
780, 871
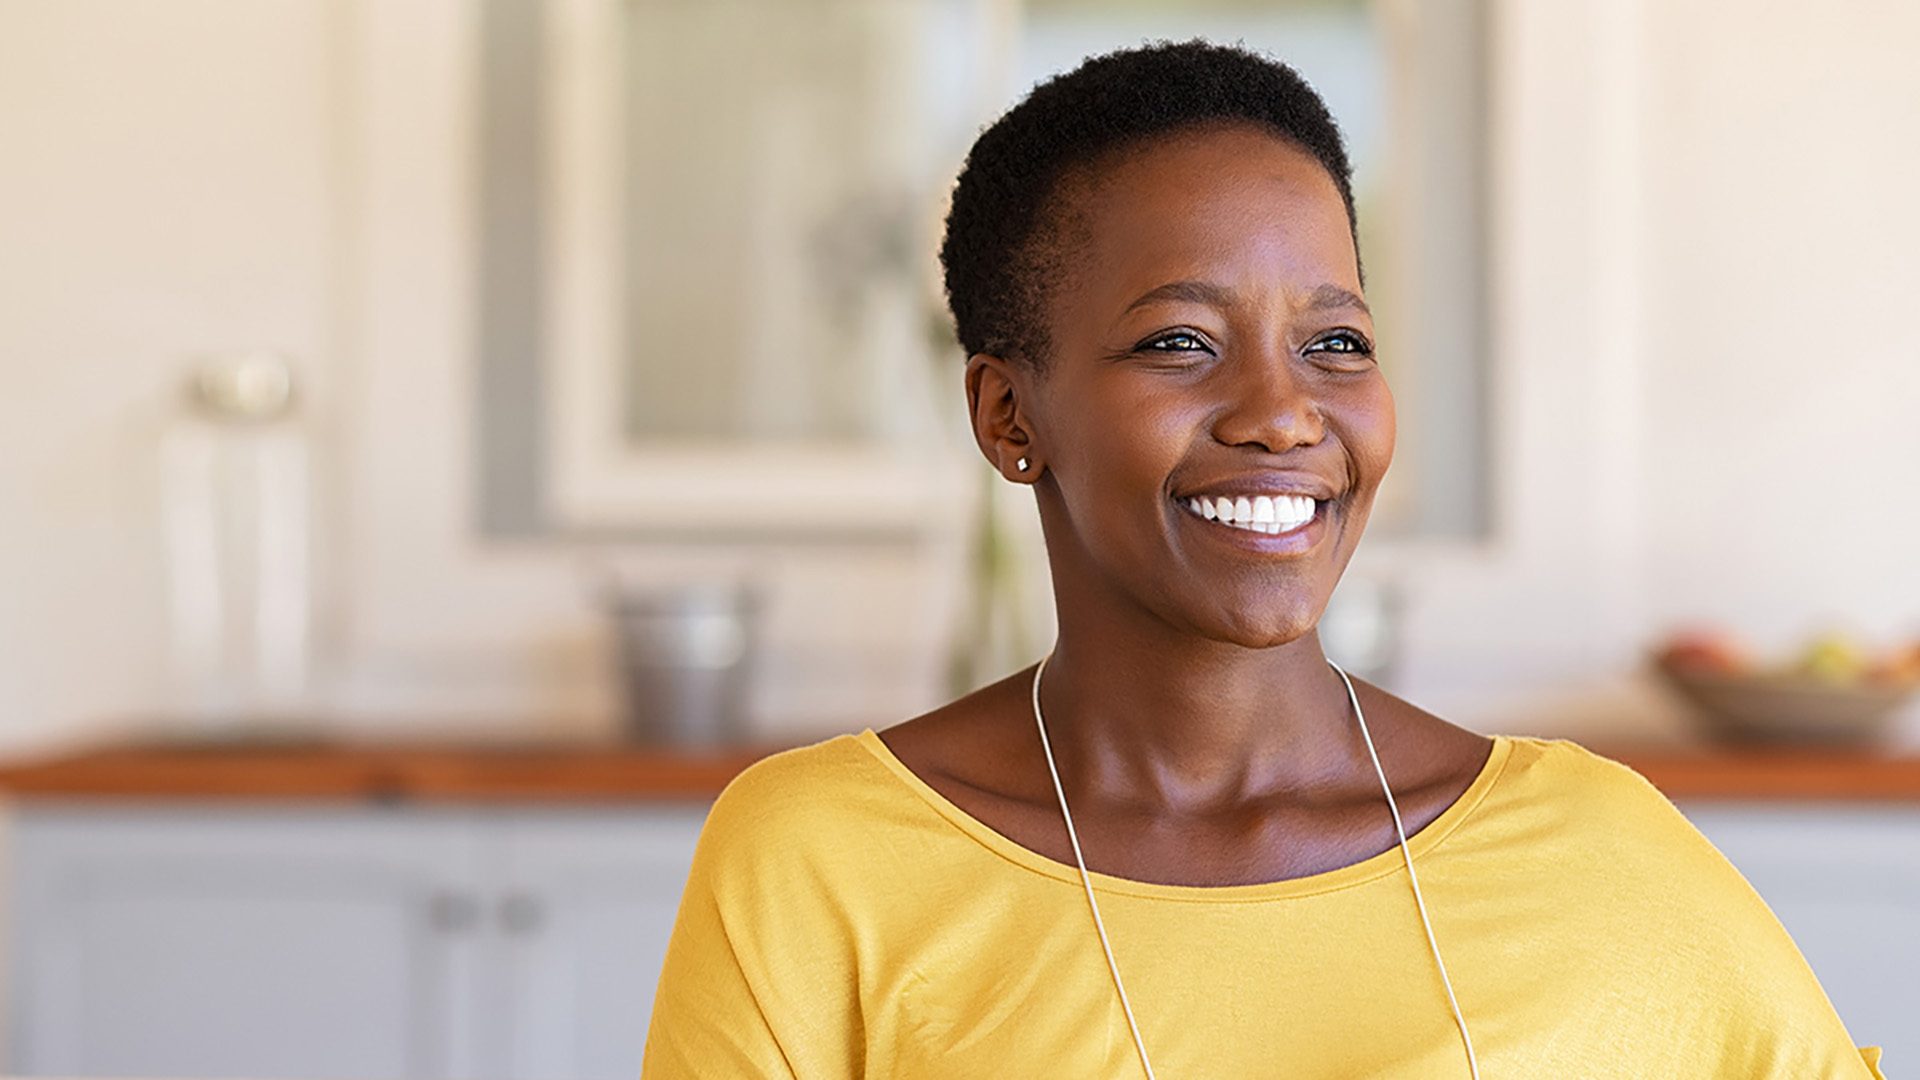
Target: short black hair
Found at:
1004, 233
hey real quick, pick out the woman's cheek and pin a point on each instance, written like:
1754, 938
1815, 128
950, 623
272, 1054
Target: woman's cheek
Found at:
1388, 426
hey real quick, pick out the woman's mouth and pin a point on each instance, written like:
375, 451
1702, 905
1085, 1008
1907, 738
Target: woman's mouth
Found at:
1269, 514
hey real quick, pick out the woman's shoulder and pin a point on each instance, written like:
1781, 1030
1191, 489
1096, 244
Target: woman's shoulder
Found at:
1557, 793
1598, 821
1566, 772
1643, 883
798, 791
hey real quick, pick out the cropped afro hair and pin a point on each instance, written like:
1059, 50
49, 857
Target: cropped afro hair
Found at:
1005, 232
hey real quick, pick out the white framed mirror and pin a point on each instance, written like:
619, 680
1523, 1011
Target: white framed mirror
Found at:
741, 331
710, 300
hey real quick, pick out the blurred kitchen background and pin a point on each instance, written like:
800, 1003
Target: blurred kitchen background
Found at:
441, 439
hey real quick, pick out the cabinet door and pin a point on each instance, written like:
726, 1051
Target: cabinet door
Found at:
168, 941
588, 904
1845, 882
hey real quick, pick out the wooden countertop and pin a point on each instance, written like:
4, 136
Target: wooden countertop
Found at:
559, 773
382, 773
1777, 774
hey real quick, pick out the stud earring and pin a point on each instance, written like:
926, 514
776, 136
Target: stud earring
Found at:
1021, 464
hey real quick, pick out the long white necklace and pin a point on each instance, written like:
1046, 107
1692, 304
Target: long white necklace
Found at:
1473, 1066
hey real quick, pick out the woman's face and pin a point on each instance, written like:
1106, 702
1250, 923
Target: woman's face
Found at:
1210, 343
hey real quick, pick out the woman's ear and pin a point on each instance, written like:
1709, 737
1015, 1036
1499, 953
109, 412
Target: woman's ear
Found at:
1000, 421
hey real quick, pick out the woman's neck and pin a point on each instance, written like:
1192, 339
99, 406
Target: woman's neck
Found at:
1145, 714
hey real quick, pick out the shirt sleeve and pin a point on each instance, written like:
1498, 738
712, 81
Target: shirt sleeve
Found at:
707, 1019
758, 979
1789, 1027
1766, 1014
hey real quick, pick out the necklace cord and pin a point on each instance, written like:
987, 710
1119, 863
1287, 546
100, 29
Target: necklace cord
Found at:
1074, 839
1473, 1065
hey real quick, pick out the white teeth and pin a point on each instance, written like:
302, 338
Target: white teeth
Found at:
1269, 514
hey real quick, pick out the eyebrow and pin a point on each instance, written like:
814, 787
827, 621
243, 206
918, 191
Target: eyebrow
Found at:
1333, 296
1212, 295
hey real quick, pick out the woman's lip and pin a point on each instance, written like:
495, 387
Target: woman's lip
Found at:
1295, 541
1233, 491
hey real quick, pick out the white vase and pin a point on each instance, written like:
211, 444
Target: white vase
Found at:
237, 506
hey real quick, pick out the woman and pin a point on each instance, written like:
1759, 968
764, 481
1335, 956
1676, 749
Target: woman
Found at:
1185, 843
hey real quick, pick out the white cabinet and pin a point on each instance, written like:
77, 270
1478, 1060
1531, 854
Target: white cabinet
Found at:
1845, 882
524, 944
261, 941
587, 909
267, 943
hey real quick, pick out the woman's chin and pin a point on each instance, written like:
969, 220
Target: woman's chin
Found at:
1264, 628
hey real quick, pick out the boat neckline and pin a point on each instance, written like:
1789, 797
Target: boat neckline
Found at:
1375, 866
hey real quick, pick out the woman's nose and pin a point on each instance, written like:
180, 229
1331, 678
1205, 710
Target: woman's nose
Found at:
1268, 404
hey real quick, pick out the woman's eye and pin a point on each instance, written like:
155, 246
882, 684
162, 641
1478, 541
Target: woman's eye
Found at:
1345, 343
1175, 342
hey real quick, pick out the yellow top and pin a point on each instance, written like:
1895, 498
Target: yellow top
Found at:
844, 919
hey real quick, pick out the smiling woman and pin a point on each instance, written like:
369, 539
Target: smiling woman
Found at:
1268, 868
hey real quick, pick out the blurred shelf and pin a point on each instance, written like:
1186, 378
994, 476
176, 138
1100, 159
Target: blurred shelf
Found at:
1777, 773
341, 771
382, 773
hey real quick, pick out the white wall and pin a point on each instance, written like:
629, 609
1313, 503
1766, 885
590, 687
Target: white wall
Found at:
1706, 249
1704, 218
164, 191
1781, 468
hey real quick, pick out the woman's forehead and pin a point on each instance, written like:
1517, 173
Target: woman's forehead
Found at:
1239, 208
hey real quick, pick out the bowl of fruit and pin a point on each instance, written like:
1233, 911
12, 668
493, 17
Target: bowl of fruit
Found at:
1831, 690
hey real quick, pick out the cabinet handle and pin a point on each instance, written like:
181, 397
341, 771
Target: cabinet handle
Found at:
521, 913
452, 912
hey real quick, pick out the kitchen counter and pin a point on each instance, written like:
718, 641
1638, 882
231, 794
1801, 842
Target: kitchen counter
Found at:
590, 773
444, 894
382, 772
1833, 775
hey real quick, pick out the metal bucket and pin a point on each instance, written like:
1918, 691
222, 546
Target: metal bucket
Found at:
686, 661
